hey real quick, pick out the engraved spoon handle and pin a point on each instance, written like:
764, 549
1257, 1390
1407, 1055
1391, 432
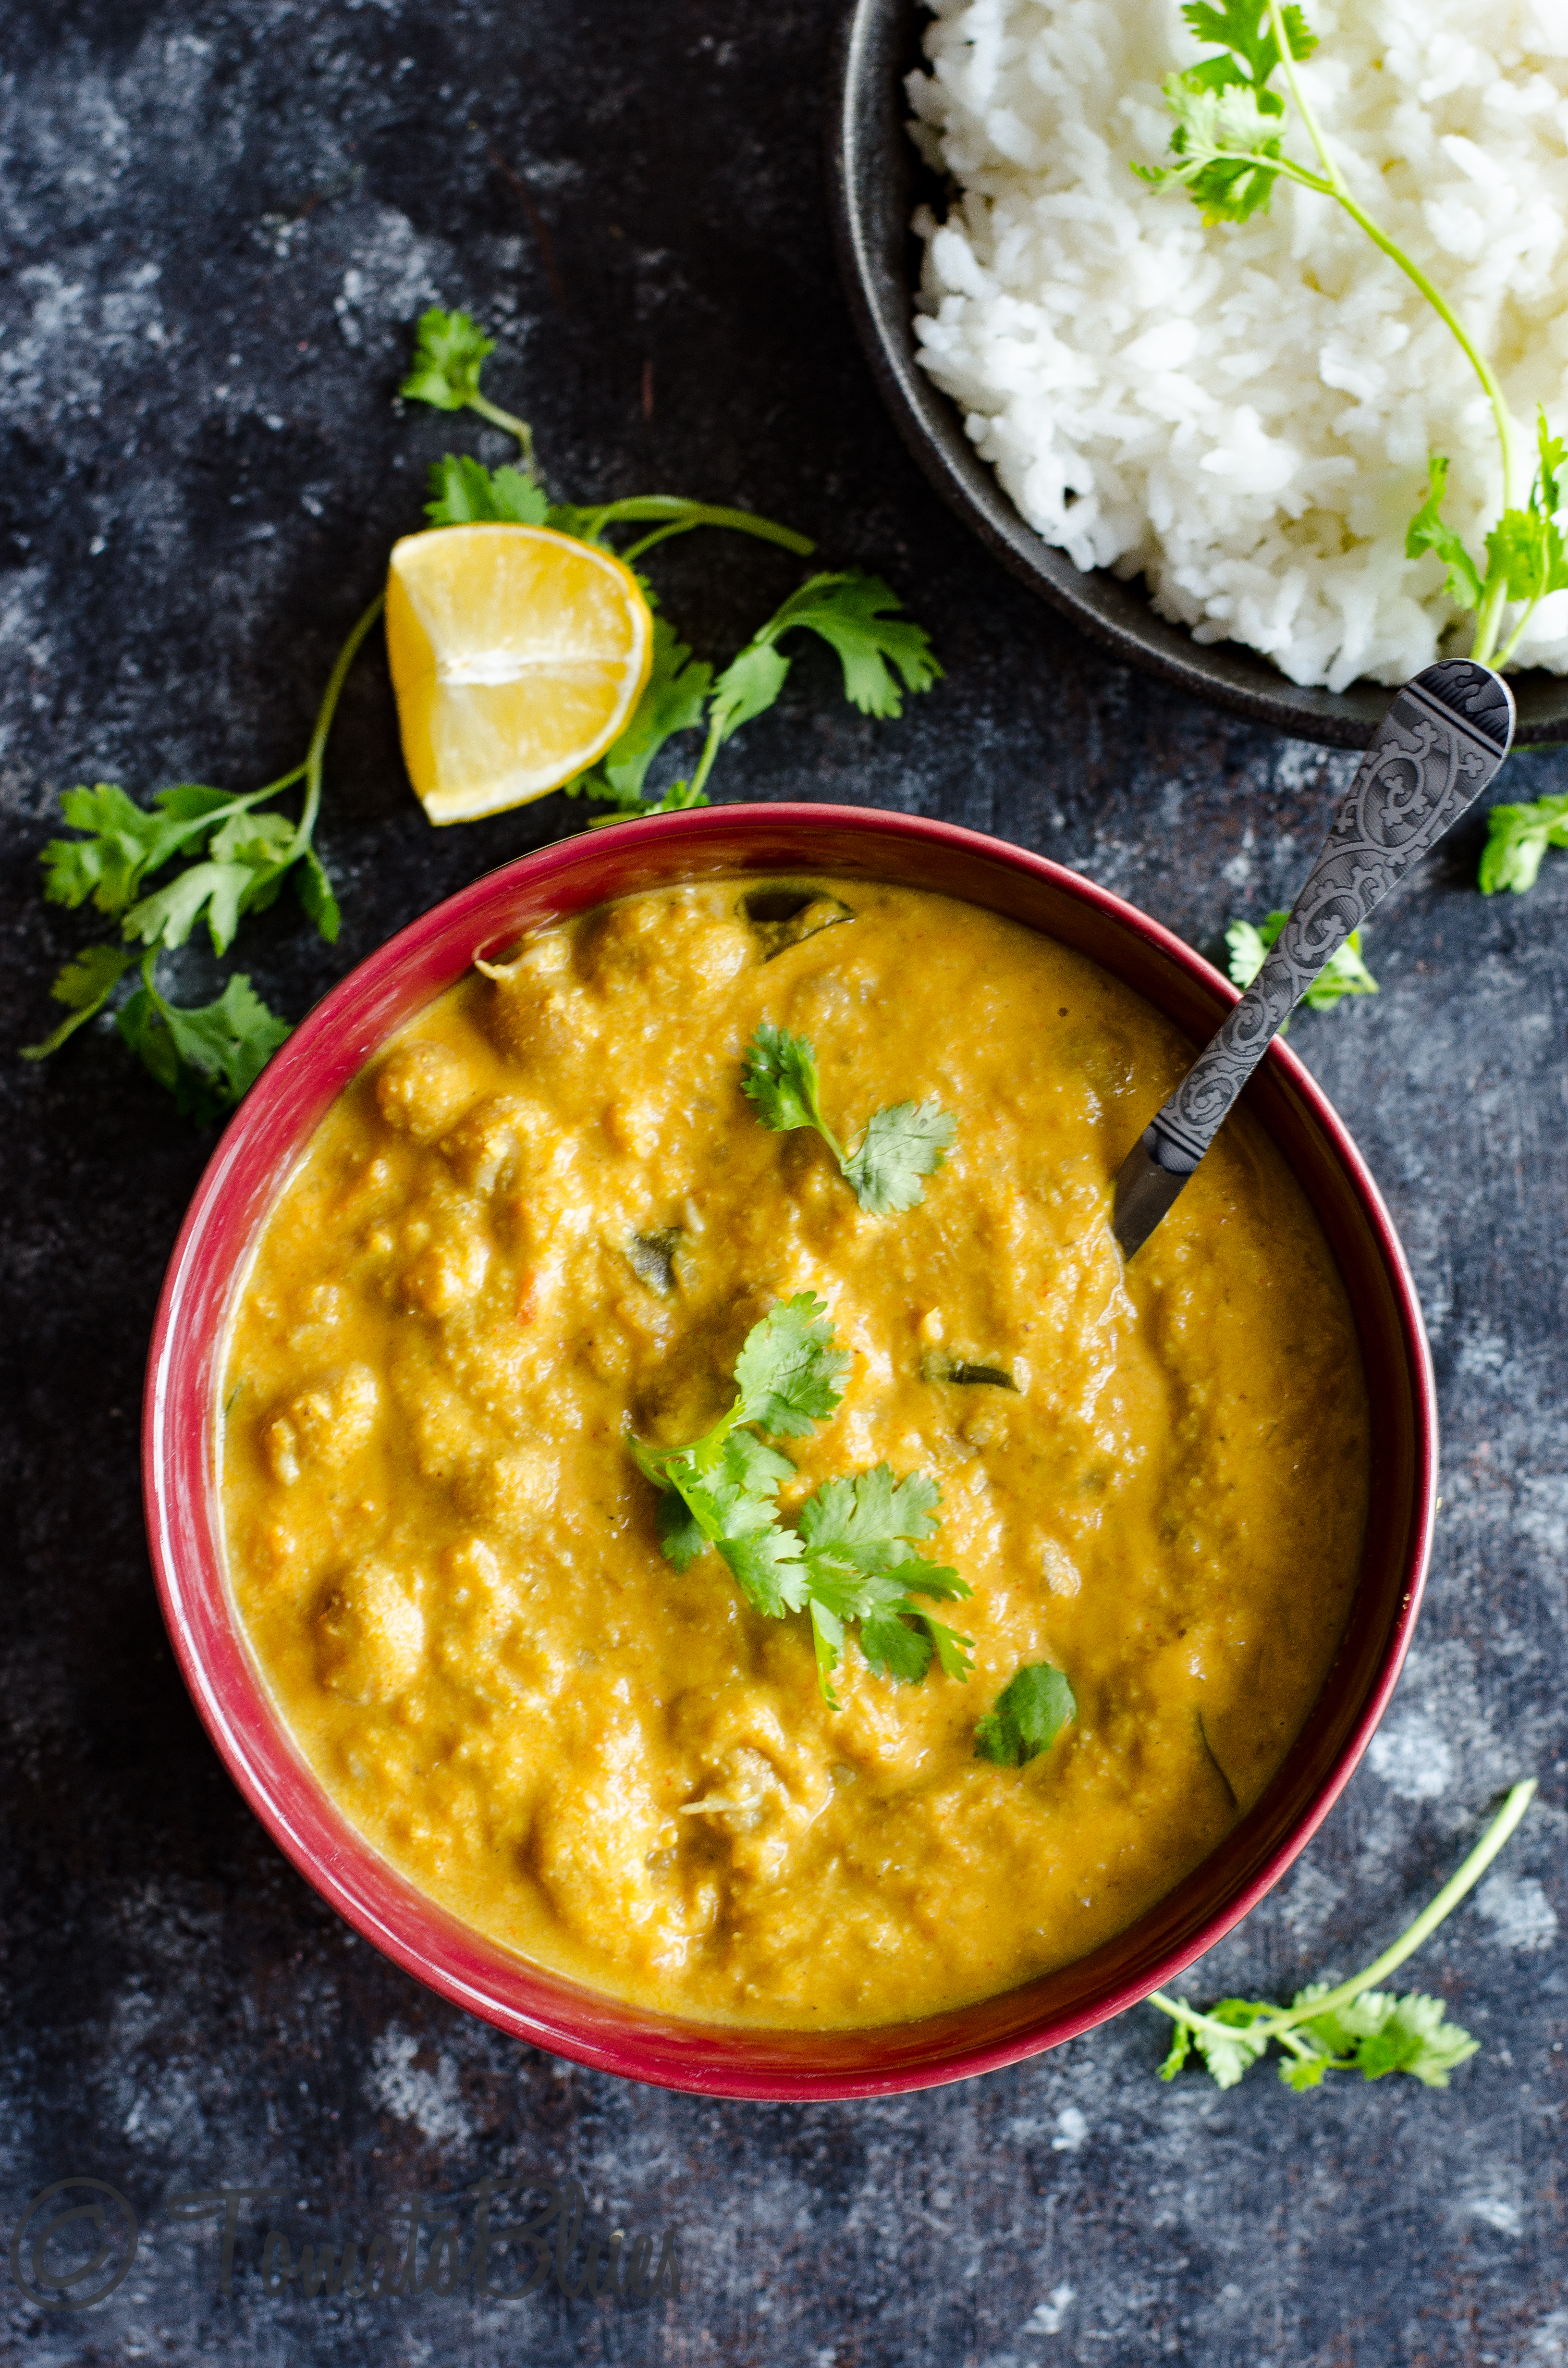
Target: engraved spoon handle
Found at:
1441, 741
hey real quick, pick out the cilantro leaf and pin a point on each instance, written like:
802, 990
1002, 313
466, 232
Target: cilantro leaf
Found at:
789, 1372
123, 842
1343, 973
1525, 548
1242, 27
448, 359
749, 683
463, 490
850, 612
1426, 531
206, 1057
1030, 1711
778, 1077
313, 890
1227, 143
1376, 2034
1180, 2048
450, 351
1228, 121
1551, 454
1517, 837
858, 1537
1227, 2042
673, 699
83, 986
901, 1144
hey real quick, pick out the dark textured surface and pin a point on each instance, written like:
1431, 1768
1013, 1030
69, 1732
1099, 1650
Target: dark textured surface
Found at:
218, 223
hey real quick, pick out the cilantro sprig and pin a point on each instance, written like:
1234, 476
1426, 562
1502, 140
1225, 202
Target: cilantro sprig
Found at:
208, 1056
1227, 154
853, 1558
899, 1145
1343, 973
1353, 2026
449, 352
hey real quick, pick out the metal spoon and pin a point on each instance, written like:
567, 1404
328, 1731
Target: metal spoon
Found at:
1441, 741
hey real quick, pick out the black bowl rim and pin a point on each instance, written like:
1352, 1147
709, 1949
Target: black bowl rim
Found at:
871, 165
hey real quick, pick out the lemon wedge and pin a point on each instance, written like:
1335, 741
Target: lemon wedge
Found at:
518, 656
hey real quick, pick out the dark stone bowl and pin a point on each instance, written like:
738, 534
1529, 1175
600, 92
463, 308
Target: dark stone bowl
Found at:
876, 181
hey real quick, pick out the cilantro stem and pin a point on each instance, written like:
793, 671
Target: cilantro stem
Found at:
1288, 60
507, 419
312, 768
1465, 1879
1278, 2022
710, 748
1496, 595
677, 515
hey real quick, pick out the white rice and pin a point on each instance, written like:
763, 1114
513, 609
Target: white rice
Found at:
1245, 414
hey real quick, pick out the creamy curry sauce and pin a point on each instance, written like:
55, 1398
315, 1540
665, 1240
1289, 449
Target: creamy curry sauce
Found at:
547, 1215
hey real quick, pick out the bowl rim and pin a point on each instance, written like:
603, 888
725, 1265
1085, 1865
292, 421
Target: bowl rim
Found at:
257, 1150
870, 167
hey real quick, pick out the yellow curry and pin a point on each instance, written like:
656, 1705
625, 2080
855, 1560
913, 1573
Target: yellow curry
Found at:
546, 1219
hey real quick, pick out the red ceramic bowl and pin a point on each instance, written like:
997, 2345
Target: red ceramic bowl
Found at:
255, 1156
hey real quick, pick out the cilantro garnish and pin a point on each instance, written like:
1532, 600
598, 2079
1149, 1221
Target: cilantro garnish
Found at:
1353, 2027
447, 358
901, 1144
462, 489
1032, 1710
858, 1540
1228, 155
1517, 837
1343, 973
206, 1057
209, 1058
852, 1559
83, 986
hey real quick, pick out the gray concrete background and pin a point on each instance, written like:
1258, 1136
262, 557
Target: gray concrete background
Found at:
219, 222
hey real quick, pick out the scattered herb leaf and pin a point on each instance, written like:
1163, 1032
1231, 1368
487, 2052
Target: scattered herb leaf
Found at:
206, 1057
859, 1537
83, 986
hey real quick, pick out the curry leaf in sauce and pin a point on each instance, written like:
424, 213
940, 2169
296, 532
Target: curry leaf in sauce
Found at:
901, 1144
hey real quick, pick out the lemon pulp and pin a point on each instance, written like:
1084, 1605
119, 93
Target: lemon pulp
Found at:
517, 656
